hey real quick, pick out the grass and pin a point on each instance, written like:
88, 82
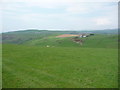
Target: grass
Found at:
59, 67
53, 42
101, 41
1, 66
65, 64
96, 41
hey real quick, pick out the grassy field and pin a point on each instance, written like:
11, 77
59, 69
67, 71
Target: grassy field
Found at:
0, 66
96, 41
28, 63
59, 67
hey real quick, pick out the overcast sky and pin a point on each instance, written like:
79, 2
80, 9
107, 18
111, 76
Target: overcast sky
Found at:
59, 14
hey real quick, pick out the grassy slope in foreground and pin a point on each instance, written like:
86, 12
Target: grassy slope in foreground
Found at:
59, 67
0, 66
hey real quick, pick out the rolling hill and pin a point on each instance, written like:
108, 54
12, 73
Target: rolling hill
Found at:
98, 41
45, 37
28, 62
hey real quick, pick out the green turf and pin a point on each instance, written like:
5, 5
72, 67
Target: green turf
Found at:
0, 66
96, 41
65, 64
100, 40
59, 67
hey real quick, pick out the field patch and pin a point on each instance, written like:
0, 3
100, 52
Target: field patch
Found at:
66, 35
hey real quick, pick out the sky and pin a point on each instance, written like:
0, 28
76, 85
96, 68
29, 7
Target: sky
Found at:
58, 14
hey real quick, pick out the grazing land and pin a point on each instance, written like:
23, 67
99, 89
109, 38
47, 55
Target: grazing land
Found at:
28, 63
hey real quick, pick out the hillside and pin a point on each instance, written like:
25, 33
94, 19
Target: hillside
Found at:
43, 59
19, 37
45, 37
98, 41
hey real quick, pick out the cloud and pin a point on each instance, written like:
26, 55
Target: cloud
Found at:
102, 21
52, 3
60, 1
53, 14
77, 10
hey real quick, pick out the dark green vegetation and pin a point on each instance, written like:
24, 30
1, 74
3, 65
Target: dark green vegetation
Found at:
65, 64
21, 37
44, 37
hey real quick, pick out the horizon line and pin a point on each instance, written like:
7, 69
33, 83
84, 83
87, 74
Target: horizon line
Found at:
59, 30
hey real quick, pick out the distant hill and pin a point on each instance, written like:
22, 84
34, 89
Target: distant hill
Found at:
105, 31
46, 37
19, 37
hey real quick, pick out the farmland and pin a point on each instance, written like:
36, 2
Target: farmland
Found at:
65, 64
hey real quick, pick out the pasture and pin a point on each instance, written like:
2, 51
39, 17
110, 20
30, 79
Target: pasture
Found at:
96, 41
59, 67
27, 62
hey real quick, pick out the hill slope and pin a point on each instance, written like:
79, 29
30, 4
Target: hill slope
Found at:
98, 41
29, 63
45, 37
19, 37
